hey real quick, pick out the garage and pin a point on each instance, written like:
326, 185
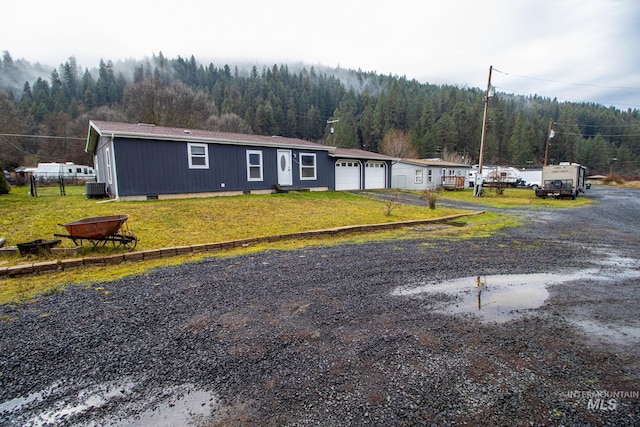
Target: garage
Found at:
347, 175
375, 175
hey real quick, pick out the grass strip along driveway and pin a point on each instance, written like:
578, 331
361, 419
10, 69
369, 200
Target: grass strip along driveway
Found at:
167, 223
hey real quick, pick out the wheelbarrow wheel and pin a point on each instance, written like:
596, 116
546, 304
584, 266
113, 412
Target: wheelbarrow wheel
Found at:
129, 240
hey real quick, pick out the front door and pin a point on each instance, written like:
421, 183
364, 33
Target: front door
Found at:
285, 174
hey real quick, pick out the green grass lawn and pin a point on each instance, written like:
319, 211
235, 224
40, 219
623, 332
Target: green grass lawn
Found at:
514, 197
166, 223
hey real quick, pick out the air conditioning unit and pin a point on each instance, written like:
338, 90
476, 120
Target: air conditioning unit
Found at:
96, 190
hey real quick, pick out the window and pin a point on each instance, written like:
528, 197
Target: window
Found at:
418, 177
429, 175
307, 166
254, 165
198, 156
107, 156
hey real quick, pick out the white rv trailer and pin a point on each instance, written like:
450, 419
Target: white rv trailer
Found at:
563, 180
68, 170
495, 175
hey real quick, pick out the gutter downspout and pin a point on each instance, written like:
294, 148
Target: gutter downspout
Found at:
115, 169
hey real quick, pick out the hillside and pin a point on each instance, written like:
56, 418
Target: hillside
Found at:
374, 112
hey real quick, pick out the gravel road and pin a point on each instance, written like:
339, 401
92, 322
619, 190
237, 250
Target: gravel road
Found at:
536, 325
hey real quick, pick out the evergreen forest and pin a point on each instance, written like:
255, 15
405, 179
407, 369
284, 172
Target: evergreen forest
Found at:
44, 113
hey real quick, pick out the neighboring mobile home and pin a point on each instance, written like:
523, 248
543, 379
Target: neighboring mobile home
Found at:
142, 161
421, 174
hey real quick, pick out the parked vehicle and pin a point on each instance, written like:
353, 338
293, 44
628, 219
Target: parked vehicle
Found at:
563, 180
495, 175
9, 178
67, 170
531, 178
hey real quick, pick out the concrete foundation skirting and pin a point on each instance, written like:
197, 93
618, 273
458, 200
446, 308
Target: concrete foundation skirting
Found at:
68, 264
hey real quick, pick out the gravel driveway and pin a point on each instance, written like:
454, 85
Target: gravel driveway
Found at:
536, 325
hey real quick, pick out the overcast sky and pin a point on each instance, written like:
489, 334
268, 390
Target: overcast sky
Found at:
575, 50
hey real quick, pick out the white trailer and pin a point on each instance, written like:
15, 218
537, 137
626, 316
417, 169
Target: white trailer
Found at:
531, 178
495, 175
563, 180
66, 170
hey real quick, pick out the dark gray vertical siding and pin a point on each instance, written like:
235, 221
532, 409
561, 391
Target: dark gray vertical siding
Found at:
387, 171
228, 163
101, 163
325, 172
269, 167
149, 167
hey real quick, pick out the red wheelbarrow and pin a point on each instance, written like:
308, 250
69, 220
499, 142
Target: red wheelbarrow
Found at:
101, 229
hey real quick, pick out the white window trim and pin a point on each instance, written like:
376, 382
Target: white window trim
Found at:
250, 166
315, 167
190, 155
418, 177
107, 156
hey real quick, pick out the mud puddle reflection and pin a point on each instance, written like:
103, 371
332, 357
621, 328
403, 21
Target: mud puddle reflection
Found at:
179, 405
499, 298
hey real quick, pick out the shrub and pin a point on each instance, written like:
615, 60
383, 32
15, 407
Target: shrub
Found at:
431, 195
613, 179
391, 204
4, 185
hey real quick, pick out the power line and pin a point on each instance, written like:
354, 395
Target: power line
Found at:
23, 151
42, 136
597, 126
575, 101
604, 136
567, 83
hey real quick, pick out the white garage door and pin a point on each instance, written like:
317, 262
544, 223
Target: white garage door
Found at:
347, 175
375, 175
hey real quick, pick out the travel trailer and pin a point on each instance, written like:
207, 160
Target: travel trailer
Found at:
495, 175
563, 180
68, 170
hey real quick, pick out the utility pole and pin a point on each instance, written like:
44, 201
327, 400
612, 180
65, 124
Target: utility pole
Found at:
550, 134
477, 191
331, 122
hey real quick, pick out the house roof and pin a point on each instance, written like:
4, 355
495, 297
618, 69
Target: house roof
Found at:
147, 131
352, 153
433, 162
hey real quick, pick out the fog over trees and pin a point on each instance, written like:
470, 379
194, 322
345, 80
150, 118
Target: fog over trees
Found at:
375, 112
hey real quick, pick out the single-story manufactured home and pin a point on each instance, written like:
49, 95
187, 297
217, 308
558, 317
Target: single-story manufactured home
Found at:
143, 161
421, 174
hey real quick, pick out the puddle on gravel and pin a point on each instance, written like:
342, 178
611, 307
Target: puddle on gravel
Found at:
191, 406
497, 298
613, 333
